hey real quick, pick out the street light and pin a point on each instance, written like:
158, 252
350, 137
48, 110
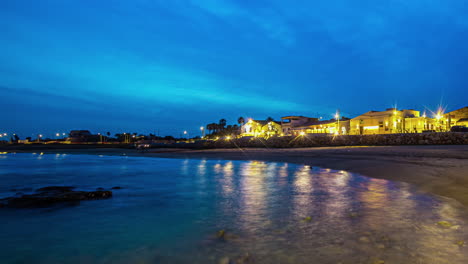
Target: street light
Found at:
202, 131
337, 118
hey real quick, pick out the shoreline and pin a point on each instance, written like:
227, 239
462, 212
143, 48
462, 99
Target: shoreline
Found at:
438, 169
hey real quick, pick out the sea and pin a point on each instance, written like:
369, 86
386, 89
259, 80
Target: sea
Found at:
222, 212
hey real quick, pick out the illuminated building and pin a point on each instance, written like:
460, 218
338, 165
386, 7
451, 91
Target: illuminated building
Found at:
323, 127
290, 122
391, 121
457, 117
261, 128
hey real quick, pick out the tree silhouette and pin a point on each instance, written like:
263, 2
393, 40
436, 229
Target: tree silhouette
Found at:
270, 119
222, 123
240, 121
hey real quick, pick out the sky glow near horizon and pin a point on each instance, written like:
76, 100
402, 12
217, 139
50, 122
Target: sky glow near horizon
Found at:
168, 66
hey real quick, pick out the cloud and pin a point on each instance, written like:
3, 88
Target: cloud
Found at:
270, 22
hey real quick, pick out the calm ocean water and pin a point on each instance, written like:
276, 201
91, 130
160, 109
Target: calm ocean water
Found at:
170, 210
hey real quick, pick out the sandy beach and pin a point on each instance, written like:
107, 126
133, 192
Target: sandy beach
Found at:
440, 170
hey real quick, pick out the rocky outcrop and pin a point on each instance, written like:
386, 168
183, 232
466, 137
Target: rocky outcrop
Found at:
53, 195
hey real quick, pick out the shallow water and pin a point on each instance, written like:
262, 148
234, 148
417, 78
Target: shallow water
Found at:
170, 210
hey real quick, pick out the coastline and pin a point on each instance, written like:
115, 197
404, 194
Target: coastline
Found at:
436, 169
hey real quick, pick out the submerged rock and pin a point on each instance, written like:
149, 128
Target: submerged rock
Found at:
52, 195
444, 224
364, 239
225, 236
56, 189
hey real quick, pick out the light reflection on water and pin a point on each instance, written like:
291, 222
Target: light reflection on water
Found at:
170, 210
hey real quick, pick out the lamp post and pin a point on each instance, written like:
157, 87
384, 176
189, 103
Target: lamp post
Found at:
337, 117
202, 131
438, 118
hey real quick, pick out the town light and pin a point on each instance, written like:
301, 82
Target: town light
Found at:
40, 136
228, 137
201, 128
302, 133
58, 134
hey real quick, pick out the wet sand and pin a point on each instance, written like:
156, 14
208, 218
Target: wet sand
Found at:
440, 170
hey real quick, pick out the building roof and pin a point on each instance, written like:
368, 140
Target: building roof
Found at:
265, 122
294, 117
323, 122
463, 108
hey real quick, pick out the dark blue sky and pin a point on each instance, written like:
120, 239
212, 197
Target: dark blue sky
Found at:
143, 66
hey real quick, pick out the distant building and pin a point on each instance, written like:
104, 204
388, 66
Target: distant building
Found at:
261, 128
78, 136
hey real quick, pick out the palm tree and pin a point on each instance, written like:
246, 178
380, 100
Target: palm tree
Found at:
222, 123
240, 121
211, 127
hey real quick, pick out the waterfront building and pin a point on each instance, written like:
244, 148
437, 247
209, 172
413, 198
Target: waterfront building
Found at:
261, 128
391, 121
457, 117
79, 136
332, 126
288, 123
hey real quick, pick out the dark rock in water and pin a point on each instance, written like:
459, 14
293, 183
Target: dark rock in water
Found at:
116, 188
52, 195
56, 189
222, 235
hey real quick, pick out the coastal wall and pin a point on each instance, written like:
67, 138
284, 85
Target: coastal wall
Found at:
317, 140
